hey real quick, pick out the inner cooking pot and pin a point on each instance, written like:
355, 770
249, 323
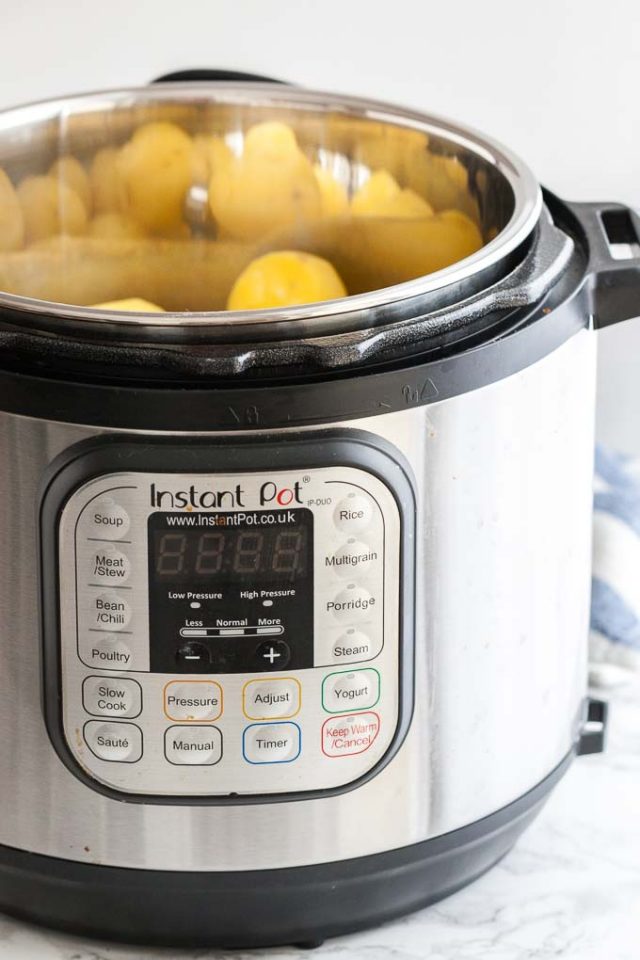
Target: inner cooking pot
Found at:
125, 195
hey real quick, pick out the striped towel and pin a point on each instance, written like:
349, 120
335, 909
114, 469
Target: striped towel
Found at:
615, 597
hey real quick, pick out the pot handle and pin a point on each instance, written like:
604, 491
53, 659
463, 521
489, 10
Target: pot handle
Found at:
615, 282
203, 73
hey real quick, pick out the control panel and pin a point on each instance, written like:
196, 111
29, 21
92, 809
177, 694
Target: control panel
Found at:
229, 634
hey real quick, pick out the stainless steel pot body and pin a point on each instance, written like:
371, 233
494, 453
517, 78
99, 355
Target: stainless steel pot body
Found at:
503, 484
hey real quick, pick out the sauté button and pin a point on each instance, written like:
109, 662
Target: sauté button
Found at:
107, 519
112, 697
109, 565
195, 746
114, 742
271, 742
353, 513
347, 735
350, 690
264, 699
110, 652
352, 558
272, 655
352, 604
352, 645
110, 611
193, 700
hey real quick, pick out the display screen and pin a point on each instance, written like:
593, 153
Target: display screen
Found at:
242, 548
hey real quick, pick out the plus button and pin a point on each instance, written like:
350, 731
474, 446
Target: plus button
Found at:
272, 655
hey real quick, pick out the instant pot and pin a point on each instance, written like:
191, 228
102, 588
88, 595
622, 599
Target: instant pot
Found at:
295, 601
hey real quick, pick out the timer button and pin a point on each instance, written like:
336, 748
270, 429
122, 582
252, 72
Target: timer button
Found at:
350, 690
272, 655
353, 557
271, 742
114, 742
195, 746
112, 697
107, 519
353, 513
110, 611
352, 604
109, 565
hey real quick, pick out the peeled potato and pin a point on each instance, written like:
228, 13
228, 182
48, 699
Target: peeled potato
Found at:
285, 278
50, 207
333, 196
11, 219
381, 196
270, 187
133, 304
114, 226
106, 183
67, 169
157, 167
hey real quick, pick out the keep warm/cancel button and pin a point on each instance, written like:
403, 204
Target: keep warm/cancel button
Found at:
350, 734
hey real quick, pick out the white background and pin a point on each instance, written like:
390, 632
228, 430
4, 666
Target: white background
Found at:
557, 80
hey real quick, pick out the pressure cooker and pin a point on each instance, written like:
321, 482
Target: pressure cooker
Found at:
294, 597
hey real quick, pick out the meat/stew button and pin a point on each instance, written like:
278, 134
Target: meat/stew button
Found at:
347, 735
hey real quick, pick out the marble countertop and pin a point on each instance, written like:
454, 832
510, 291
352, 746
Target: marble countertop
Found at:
570, 888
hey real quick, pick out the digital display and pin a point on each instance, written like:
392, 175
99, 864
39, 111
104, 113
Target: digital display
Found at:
242, 548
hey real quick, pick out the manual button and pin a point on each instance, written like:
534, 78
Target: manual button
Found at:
112, 697
267, 699
193, 700
350, 690
113, 742
195, 746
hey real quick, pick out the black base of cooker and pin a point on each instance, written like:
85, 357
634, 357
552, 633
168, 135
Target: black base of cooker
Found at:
300, 905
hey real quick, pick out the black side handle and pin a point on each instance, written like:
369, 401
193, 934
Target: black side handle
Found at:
594, 732
615, 282
202, 73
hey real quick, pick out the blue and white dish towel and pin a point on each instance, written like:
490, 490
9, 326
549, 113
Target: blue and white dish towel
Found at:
615, 599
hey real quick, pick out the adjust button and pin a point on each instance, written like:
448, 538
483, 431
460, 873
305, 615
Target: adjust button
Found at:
266, 699
195, 746
271, 742
112, 697
350, 690
114, 742
193, 700
353, 513
106, 519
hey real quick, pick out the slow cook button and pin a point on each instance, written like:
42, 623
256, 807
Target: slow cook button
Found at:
195, 746
109, 565
266, 699
271, 742
353, 513
111, 653
193, 700
351, 690
114, 742
109, 611
112, 697
353, 557
347, 735
352, 604
106, 519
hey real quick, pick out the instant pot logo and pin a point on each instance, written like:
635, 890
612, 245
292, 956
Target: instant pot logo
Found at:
269, 494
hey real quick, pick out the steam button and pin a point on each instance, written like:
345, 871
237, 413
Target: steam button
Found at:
353, 513
114, 742
107, 519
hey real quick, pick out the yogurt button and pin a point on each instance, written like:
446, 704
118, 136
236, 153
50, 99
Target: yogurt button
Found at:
357, 690
271, 742
106, 519
114, 742
354, 557
353, 513
352, 604
109, 565
110, 611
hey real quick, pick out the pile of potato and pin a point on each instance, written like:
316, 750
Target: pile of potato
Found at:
279, 229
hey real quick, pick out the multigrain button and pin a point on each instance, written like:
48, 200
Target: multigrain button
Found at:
352, 558
106, 519
193, 700
350, 690
110, 611
109, 652
271, 742
352, 604
347, 735
353, 513
109, 565
193, 746
114, 742
112, 697
266, 699
352, 645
